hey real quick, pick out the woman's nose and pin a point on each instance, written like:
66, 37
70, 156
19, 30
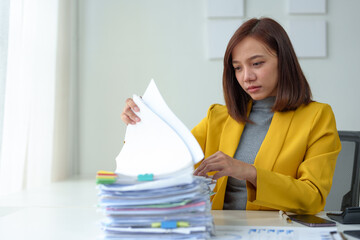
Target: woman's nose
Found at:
249, 75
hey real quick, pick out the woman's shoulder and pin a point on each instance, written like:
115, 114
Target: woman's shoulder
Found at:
313, 111
315, 107
217, 113
217, 110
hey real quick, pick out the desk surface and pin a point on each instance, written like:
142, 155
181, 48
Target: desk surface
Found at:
67, 210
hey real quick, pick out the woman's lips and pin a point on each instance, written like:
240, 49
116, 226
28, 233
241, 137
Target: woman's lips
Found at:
253, 89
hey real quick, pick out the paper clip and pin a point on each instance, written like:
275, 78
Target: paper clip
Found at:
145, 177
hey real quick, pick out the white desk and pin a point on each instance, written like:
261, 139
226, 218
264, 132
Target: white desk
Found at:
67, 210
229, 219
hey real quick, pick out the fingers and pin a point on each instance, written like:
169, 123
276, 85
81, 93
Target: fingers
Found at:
128, 115
212, 163
224, 165
210, 167
199, 168
203, 165
221, 163
218, 175
126, 119
130, 102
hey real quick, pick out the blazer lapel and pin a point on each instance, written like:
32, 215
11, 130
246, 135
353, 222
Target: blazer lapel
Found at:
231, 133
230, 136
229, 141
274, 140
268, 151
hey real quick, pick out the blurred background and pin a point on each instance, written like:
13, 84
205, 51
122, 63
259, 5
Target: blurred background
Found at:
67, 67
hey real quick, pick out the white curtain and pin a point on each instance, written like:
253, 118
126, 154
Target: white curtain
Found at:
36, 117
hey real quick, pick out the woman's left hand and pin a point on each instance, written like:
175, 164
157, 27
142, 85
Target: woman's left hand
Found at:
226, 166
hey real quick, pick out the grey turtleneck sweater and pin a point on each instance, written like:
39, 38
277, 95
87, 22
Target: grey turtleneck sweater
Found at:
249, 145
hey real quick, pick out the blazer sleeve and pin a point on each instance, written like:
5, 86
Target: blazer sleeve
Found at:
200, 132
209, 130
306, 191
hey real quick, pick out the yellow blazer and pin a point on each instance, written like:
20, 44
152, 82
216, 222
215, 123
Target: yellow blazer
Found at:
295, 163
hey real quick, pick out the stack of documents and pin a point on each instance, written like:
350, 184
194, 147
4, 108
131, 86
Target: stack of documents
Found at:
153, 193
169, 208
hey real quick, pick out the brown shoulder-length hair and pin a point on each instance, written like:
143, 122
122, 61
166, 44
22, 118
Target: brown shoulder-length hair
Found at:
293, 89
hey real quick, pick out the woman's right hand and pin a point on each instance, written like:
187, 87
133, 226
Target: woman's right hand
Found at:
128, 115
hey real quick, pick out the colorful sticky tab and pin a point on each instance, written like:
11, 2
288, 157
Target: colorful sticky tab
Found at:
105, 177
105, 181
156, 225
145, 177
183, 224
168, 224
106, 173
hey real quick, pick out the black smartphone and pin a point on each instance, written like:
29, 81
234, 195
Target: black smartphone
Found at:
312, 221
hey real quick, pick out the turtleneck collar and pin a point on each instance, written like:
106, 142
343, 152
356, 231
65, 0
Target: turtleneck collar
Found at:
266, 103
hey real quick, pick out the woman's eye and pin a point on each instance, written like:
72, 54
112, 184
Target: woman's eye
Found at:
237, 68
258, 63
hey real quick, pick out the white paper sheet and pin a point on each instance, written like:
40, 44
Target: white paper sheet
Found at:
151, 146
156, 103
258, 232
185, 178
187, 230
160, 143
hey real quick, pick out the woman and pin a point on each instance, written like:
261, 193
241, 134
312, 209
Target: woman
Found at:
271, 147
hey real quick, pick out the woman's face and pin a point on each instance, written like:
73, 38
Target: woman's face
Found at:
256, 68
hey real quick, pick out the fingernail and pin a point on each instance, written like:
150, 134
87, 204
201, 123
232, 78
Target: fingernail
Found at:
136, 109
137, 119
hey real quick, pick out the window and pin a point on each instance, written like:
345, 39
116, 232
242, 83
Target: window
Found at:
4, 29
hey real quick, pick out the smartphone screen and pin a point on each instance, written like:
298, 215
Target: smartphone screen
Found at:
312, 221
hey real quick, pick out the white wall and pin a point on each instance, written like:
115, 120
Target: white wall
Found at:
123, 43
